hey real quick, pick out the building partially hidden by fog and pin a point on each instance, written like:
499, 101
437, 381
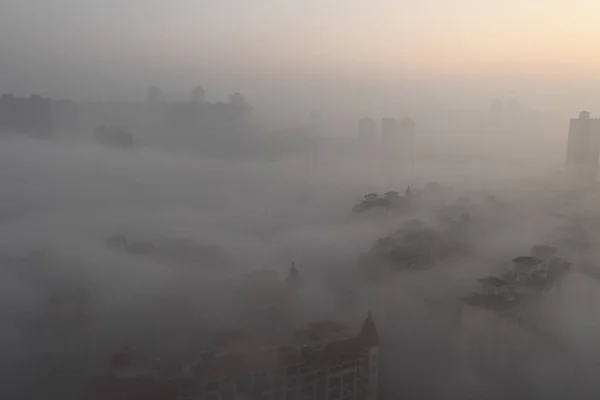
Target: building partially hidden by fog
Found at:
583, 146
154, 96
199, 95
367, 130
27, 115
321, 360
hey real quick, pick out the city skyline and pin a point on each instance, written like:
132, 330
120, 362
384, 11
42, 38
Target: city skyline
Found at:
541, 52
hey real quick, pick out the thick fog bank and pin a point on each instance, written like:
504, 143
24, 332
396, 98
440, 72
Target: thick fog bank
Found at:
65, 210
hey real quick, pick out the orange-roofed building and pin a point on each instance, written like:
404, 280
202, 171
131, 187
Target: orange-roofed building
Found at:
325, 361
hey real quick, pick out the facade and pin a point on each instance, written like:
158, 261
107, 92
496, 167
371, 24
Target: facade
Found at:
323, 361
199, 95
583, 146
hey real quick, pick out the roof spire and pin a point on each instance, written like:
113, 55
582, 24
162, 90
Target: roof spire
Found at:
293, 278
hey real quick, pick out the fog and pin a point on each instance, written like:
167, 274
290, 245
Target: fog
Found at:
62, 200
153, 154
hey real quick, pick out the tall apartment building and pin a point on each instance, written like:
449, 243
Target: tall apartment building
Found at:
583, 146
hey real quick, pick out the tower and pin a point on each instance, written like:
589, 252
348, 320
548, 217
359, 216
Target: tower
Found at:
367, 130
199, 95
369, 340
154, 95
293, 279
583, 146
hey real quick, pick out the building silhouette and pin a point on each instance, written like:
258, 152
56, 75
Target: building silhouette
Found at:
199, 95
583, 146
27, 115
323, 359
154, 96
237, 100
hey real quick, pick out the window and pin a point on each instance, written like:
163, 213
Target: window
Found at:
335, 369
374, 357
348, 365
334, 394
292, 370
374, 369
212, 397
335, 382
210, 386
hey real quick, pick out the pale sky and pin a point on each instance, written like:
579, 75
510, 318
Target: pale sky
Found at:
87, 47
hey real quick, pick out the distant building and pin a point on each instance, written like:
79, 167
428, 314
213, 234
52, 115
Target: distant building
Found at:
583, 146
322, 360
199, 95
28, 115
154, 95
237, 99
325, 361
113, 136
367, 130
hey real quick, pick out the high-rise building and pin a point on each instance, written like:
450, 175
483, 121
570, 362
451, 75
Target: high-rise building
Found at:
367, 129
154, 96
198, 95
237, 100
583, 146
28, 115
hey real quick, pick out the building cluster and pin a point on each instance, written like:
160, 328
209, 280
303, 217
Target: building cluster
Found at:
43, 117
521, 290
394, 133
30, 115
321, 360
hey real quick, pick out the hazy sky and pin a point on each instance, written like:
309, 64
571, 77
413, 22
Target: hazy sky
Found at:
85, 48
